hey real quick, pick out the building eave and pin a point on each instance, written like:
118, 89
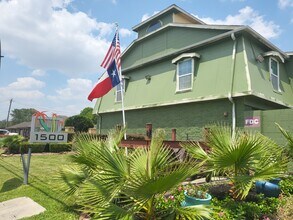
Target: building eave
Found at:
263, 40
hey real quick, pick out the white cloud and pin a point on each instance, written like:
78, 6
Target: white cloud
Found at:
38, 72
73, 97
76, 89
285, 3
25, 88
45, 35
25, 83
248, 16
146, 16
124, 32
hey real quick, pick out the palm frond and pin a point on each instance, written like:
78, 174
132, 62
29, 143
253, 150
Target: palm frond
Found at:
198, 212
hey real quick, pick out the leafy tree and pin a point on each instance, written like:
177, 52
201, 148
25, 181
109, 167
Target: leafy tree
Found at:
88, 112
243, 157
2, 123
110, 184
22, 115
80, 123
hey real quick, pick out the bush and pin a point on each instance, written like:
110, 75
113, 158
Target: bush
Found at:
80, 123
287, 186
234, 209
36, 147
60, 147
23, 148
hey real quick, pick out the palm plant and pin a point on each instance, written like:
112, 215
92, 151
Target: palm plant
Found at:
109, 184
289, 138
243, 157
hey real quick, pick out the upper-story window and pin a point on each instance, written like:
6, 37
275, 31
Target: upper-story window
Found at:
274, 67
154, 26
274, 74
119, 89
185, 71
185, 74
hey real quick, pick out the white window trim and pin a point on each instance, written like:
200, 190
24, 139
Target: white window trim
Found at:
184, 56
177, 76
274, 53
271, 72
117, 91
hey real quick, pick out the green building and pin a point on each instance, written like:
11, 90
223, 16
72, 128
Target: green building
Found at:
182, 73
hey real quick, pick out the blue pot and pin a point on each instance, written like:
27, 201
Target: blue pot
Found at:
269, 188
190, 200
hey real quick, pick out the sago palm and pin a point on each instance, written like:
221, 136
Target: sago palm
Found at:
289, 138
243, 157
109, 184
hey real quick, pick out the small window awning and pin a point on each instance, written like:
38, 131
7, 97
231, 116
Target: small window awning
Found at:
185, 55
275, 54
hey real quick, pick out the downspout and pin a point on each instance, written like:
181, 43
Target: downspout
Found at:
232, 85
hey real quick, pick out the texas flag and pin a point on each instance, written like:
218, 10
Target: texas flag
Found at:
108, 80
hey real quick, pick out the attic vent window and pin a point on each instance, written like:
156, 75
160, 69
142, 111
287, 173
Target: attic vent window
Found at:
154, 26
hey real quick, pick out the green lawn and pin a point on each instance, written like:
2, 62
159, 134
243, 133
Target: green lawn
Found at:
41, 187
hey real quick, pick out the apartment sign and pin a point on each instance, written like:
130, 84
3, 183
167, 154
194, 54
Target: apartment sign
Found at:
252, 121
47, 129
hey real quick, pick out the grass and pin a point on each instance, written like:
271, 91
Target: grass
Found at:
41, 187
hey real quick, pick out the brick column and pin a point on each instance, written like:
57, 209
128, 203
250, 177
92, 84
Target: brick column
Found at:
149, 128
173, 134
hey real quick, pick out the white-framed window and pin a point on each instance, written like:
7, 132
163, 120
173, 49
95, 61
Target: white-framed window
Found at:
185, 72
154, 26
274, 74
119, 88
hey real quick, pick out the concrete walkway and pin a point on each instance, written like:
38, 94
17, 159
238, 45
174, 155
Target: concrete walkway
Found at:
19, 208
203, 180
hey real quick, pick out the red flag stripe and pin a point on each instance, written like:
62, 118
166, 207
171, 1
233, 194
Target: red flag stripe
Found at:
109, 57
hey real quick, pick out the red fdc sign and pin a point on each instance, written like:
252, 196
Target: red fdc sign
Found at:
252, 122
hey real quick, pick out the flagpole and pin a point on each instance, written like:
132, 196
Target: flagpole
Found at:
122, 90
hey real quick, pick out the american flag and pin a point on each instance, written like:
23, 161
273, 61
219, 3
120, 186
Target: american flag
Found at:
113, 53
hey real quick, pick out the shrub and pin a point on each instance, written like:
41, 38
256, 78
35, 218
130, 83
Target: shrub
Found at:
60, 147
287, 186
23, 147
235, 209
36, 147
80, 123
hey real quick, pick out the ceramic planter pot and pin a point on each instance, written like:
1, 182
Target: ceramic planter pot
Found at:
269, 188
190, 200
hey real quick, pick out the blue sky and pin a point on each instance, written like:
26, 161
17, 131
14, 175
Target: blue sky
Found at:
53, 48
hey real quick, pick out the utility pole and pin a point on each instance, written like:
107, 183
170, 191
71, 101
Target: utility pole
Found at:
0, 54
8, 112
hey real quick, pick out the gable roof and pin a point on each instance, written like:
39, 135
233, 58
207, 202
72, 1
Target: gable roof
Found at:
171, 8
21, 125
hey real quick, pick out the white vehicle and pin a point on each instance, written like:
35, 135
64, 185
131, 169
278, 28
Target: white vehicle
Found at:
4, 132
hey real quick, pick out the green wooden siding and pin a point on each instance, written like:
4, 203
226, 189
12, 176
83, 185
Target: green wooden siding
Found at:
212, 80
189, 119
283, 117
260, 76
165, 42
